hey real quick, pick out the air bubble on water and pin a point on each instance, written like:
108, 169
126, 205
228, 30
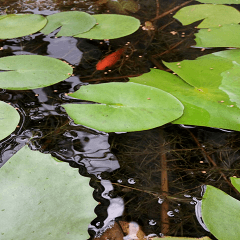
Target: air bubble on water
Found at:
193, 202
99, 176
160, 200
186, 195
176, 210
170, 213
119, 180
131, 181
152, 222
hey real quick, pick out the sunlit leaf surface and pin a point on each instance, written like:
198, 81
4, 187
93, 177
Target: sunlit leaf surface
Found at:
124, 107
224, 36
111, 26
18, 25
9, 119
43, 199
208, 87
221, 214
31, 71
71, 23
213, 15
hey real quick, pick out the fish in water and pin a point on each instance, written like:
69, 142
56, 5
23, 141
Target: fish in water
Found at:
110, 60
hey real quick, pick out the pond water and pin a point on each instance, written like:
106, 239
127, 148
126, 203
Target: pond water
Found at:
155, 178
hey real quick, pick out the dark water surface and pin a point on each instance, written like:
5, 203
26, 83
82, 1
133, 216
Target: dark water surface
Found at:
125, 168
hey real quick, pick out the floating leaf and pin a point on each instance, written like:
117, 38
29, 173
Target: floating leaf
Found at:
111, 26
71, 23
220, 1
31, 71
209, 89
19, 25
181, 238
221, 214
124, 107
224, 36
43, 199
213, 15
9, 119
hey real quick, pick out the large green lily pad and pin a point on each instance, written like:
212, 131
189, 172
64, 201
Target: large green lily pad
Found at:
71, 23
19, 25
9, 119
213, 15
125, 107
224, 36
208, 87
41, 198
32, 71
111, 26
221, 213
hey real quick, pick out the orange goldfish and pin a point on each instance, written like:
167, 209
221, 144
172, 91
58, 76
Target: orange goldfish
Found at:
109, 60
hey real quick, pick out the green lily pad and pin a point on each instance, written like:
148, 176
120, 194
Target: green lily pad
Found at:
32, 71
213, 15
221, 214
43, 199
111, 26
181, 238
224, 36
220, 1
9, 119
19, 25
208, 87
71, 23
125, 107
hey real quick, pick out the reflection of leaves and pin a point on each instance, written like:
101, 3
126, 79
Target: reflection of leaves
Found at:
9, 119
208, 87
125, 107
221, 212
43, 199
31, 71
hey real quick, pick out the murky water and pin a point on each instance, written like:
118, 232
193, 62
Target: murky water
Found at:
126, 169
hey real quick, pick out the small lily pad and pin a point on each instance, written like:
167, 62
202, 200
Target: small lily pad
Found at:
213, 15
43, 199
111, 26
19, 25
221, 214
125, 107
9, 119
71, 23
31, 71
224, 36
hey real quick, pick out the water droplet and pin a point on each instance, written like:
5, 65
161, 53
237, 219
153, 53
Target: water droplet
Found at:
119, 180
160, 200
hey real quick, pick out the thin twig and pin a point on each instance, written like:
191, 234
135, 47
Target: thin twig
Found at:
157, 8
171, 10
